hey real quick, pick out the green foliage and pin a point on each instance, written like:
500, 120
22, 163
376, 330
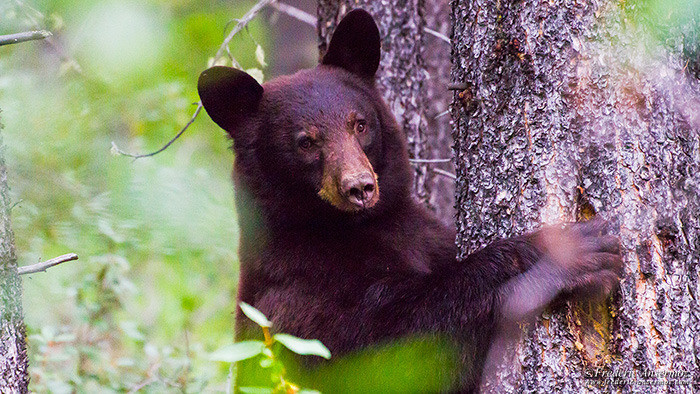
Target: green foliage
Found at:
238, 351
673, 23
255, 315
152, 293
106, 352
664, 14
418, 364
303, 346
424, 364
268, 359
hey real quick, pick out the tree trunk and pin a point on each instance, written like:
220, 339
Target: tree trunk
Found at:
565, 109
14, 376
438, 135
407, 77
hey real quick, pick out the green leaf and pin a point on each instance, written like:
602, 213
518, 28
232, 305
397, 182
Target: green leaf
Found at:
255, 315
257, 74
267, 352
260, 56
238, 351
265, 363
303, 346
306, 391
255, 390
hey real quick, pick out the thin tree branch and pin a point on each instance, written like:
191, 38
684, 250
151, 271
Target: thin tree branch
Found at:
311, 20
43, 266
430, 160
435, 170
441, 114
295, 13
444, 173
116, 149
24, 36
242, 23
151, 378
143, 384
438, 35
14, 205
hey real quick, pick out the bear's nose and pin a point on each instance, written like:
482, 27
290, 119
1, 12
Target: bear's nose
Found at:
359, 189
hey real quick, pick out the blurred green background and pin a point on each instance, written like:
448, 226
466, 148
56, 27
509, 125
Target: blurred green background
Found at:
154, 289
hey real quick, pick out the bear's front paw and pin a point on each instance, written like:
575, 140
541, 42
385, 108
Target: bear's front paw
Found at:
586, 256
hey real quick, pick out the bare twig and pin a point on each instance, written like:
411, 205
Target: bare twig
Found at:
242, 23
438, 35
295, 13
435, 170
441, 114
24, 36
430, 160
444, 173
14, 205
169, 382
143, 384
116, 149
311, 20
43, 266
152, 377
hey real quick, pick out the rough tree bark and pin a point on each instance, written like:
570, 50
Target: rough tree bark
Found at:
410, 77
14, 377
566, 109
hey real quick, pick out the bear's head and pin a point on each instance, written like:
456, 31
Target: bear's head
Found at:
321, 141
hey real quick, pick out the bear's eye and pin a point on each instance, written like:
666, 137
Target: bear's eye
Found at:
305, 142
361, 126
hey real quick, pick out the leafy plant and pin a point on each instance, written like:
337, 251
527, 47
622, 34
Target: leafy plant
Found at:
268, 359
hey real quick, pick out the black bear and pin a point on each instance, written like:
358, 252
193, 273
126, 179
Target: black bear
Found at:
333, 246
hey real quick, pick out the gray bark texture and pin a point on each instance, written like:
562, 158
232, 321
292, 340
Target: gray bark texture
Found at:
412, 76
566, 110
14, 376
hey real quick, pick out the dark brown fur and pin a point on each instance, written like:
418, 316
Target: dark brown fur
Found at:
358, 277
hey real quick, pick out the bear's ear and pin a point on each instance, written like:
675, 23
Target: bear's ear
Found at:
229, 95
355, 45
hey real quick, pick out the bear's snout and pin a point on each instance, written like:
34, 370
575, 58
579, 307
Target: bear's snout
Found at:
349, 182
359, 189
